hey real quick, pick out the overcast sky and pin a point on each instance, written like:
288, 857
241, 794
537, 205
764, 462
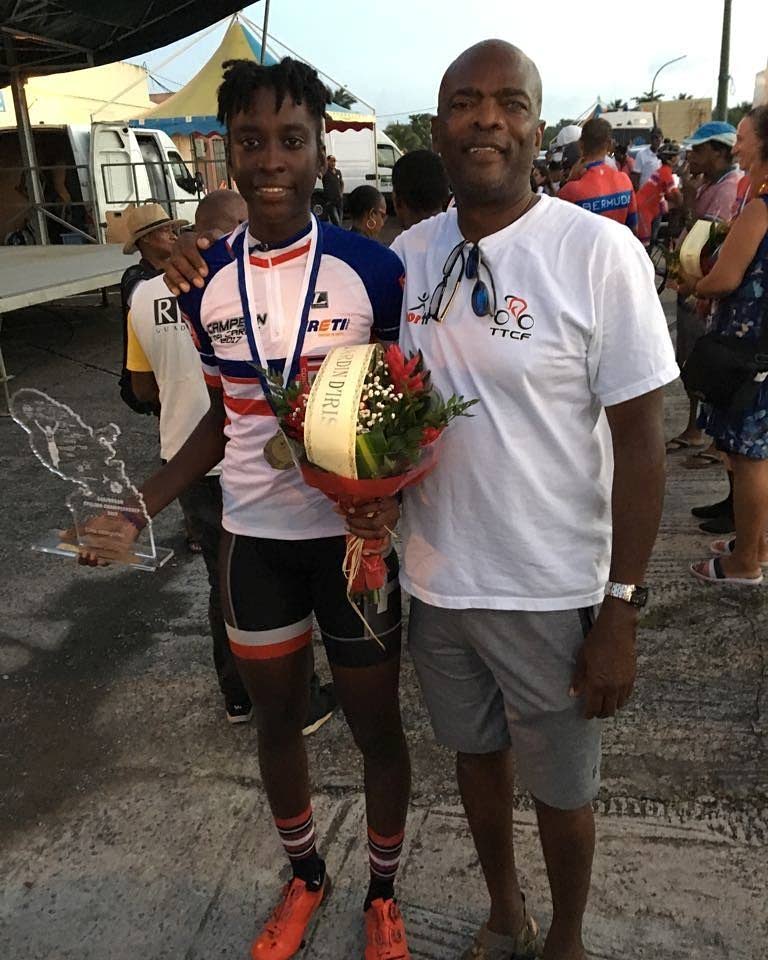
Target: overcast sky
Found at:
393, 53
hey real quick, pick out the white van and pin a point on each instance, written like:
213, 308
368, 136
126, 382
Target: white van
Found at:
630, 126
102, 168
364, 158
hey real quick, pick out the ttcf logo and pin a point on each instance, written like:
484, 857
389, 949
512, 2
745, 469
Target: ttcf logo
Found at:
513, 322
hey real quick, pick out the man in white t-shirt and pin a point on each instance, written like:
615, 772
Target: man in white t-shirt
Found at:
525, 550
647, 160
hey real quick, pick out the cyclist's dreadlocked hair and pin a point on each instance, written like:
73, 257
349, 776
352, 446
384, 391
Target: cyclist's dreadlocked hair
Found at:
287, 78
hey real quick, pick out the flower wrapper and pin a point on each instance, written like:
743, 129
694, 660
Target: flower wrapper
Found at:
370, 574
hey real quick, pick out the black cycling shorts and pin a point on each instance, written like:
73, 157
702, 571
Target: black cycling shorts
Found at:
272, 588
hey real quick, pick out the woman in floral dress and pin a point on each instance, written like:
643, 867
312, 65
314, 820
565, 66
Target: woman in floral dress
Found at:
739, 282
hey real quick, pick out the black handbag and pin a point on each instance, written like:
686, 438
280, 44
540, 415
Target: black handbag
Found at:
721, 369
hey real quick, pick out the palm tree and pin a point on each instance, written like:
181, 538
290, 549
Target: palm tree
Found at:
650, 97
684, 96
615, 105
343, 98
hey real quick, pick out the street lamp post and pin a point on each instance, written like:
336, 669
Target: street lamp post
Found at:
653, 82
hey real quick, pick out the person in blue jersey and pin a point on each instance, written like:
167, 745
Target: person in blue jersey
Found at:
279, 292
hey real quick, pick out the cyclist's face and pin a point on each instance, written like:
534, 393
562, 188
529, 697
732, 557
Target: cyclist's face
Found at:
276, 158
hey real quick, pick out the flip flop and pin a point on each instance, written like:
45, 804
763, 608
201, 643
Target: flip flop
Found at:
699, 461
723, 548
716, 575
680, 443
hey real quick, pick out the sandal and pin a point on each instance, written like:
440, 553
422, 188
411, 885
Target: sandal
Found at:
194, 546
698, 461
715, 574
723, 548
680, 443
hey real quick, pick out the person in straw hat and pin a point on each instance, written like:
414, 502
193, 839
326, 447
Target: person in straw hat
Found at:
152, 232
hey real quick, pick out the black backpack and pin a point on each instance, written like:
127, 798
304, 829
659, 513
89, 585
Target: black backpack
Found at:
133, 276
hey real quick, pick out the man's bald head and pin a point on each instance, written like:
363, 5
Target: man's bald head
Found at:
497, 51
220, 210
487, 128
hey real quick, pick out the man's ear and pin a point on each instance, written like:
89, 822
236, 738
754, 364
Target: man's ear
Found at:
540, 134
435, 129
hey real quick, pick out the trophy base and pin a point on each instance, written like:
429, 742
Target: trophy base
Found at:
53, 544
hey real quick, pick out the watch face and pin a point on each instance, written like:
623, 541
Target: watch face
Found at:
640, 596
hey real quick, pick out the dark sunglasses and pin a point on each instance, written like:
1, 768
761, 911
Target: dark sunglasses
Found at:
483, 297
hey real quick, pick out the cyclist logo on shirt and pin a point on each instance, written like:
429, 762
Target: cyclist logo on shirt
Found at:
513, 321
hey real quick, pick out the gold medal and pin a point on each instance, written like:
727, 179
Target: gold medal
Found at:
277, 452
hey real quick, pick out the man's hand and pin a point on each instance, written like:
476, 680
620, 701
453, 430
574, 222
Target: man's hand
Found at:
185, 265
374, 520
607, 661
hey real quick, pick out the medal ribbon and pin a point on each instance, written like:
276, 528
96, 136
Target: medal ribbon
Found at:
248, 304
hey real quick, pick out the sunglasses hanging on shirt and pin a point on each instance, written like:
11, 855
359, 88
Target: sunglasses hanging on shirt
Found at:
472, 266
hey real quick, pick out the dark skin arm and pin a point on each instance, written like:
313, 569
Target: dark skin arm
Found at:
203, 449
145, 386
605, 667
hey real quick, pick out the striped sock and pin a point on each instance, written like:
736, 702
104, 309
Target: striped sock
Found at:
298, 838
384, 857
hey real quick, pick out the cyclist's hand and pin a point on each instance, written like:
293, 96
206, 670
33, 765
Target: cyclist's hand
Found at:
105, 539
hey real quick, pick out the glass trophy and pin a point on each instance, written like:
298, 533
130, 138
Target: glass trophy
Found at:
109, 517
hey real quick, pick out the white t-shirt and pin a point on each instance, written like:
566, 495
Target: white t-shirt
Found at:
516, 515
357, 296
646, 164
159, 343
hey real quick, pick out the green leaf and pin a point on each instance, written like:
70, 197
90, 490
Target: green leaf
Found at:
369, 453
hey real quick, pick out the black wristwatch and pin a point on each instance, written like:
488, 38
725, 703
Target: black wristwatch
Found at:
629, 592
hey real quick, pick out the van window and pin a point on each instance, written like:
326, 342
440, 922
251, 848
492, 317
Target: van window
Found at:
181, 175
385, 155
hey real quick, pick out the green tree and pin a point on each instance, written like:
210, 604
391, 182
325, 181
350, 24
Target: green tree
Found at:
617, 104
650, 97
343, 97
416, 135
736, 114
684, 96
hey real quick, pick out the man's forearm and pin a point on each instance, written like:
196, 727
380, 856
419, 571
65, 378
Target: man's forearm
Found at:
203, 449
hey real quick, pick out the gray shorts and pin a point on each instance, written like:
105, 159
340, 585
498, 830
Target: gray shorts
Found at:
498, 678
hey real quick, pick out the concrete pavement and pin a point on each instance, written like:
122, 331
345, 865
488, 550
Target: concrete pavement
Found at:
132, 822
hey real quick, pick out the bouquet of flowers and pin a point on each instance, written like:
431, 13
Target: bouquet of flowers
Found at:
363, 429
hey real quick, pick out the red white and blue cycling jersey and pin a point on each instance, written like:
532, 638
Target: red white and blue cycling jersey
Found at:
603, 190
356, 296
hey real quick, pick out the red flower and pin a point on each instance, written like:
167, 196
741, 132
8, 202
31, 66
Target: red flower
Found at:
406, 376
429, 435
293, 423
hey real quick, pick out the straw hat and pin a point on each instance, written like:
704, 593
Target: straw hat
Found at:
144, 219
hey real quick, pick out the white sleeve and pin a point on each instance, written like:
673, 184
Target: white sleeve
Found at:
631, 351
